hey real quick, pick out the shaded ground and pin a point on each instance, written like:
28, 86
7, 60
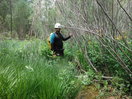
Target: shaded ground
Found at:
91, 92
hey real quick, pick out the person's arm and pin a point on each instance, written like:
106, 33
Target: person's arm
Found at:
52, 40
63, 38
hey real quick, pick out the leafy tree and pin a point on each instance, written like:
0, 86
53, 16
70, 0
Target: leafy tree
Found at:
21, 18
4, 11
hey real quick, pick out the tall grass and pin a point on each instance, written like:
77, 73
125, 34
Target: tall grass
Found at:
27, 70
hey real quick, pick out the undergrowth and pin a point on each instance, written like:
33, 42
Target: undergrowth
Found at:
28, 70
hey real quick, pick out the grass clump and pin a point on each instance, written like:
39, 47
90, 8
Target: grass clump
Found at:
26, 72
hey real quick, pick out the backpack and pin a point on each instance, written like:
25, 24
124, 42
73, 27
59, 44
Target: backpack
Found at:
48, 41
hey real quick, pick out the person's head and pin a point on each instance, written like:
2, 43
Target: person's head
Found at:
58, 27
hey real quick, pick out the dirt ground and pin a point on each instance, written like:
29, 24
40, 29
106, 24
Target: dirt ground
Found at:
91, 92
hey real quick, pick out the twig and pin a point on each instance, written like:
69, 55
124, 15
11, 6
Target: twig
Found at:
124, 10
111, 21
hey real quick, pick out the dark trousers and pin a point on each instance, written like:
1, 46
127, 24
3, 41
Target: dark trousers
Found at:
59, 52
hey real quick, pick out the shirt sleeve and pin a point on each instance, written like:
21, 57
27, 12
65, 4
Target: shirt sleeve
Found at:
52, 38
64, 38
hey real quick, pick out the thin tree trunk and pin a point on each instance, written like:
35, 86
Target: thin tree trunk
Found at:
11, 17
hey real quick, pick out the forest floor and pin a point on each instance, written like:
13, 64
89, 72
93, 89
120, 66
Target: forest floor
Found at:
91, 92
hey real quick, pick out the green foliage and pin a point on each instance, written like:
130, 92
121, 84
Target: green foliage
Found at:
4, 12
45, 50
106, 64
28, 69
4, 9
103, 60
27, 73
21, 15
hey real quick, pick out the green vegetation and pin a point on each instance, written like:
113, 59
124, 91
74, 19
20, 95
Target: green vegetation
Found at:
98, 57
28, 70
26, 73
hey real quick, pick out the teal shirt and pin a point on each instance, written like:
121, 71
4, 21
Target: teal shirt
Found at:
52, 38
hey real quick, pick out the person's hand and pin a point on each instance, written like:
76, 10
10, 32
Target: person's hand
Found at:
71, 35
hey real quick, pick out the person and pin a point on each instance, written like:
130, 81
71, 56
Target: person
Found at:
56, 40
